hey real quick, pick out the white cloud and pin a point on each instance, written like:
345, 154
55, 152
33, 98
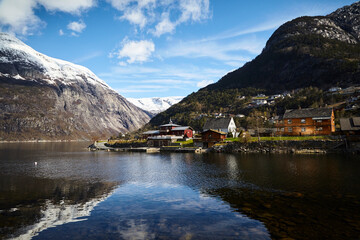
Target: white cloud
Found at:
137, 12
234, 51
87, 57
135, 16
204, 83
165, 26
69, 6
17, 16
194, 10
61, 32
77, 26
159, 12
135, 51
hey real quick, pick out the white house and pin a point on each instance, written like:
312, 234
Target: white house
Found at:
221, 124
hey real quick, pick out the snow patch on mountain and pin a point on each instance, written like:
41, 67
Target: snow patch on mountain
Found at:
13, 50
155, 105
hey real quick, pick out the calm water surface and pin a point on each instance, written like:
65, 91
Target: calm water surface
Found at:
72, 193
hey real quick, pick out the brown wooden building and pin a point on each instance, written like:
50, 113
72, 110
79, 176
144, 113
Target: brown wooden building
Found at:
211, 137
307, 121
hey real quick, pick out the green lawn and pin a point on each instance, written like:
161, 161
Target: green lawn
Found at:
283, 138
188, 143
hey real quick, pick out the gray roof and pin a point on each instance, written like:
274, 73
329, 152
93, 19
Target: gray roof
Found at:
350, 124
170, 125
308, 113
182, 128
151, 132
217, 123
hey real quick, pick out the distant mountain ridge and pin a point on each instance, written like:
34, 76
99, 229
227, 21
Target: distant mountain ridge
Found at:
322, 51
155, 105
51, 99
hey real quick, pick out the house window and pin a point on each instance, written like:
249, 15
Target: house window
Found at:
319, 129
290, 129
319, 121
282, 129
303, 129
303, 120
289, 121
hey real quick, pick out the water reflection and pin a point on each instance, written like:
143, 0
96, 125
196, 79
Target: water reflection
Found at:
30, 205
176, 195
147, 211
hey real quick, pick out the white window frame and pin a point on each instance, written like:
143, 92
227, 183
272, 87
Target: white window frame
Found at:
303, 129
289, 121
303, 120
290, 129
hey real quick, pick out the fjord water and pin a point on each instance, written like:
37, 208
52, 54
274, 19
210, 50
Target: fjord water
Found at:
71, 193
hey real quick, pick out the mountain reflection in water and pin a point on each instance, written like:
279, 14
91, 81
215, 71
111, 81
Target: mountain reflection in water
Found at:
165, 196
31, 205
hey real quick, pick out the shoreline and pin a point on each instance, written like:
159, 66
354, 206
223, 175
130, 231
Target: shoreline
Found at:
41, 141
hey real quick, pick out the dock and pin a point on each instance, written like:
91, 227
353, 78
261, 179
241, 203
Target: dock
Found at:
100, 146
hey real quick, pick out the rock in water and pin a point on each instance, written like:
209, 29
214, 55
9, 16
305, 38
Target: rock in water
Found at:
47, 98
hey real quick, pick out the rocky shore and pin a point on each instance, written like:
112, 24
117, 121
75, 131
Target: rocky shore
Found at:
309, 146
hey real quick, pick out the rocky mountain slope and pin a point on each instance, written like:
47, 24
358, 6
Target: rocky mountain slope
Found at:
321, 52
46, 98
155, 105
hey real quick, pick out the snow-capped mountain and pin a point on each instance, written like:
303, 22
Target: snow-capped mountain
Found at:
47, 98
155, 105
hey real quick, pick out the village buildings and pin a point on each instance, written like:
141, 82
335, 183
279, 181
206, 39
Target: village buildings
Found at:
167, 134
226, 125
307, 121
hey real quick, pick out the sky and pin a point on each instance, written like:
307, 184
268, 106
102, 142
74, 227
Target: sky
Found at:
154, 48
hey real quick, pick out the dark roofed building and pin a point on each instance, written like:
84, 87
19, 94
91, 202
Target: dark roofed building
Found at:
225, 125
350, 126
307, 121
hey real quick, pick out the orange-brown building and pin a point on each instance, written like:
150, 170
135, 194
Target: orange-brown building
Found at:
211, 137
307, 121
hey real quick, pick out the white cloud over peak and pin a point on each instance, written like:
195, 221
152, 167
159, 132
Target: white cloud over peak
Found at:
135, 51
76, 26
17, 16
69, 6
204, 83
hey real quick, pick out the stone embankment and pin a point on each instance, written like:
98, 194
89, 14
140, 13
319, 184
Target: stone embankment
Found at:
309, 146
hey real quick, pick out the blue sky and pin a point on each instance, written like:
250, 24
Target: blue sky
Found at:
154, 48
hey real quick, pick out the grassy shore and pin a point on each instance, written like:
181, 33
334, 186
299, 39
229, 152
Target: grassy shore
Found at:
283, 138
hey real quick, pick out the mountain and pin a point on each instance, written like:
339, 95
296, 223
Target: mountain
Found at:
322, 52
155, 105
50, 99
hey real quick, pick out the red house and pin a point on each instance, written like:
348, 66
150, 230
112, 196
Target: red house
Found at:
185, 131
170, 129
